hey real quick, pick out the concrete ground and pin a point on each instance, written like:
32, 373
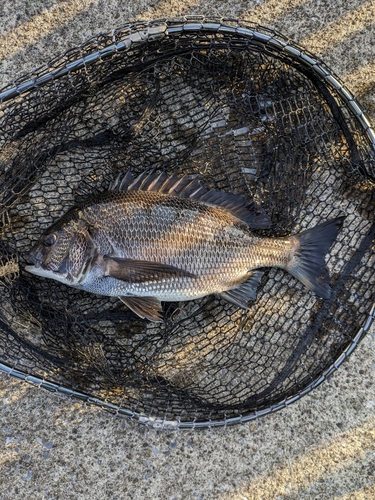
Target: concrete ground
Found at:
322, 447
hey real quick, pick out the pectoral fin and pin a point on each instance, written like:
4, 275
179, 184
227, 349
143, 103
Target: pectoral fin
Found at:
139, 271
145, 307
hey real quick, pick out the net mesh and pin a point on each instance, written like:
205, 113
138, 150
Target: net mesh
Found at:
246, 114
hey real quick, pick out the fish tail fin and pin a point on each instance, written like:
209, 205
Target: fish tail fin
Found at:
308, 261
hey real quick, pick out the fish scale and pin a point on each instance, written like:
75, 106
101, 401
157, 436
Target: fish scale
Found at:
162, 231
214, 246
157, 238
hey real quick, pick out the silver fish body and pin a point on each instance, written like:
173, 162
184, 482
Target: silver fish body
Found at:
157, 238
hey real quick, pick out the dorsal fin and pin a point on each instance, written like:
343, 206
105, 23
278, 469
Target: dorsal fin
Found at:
188, 186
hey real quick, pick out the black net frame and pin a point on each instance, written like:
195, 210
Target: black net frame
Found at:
248, 112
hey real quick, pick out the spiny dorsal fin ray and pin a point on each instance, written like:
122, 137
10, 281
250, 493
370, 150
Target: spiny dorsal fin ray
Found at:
121, 182
188, 186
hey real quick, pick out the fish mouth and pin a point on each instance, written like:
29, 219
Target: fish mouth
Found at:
35, 266
31, 269
31, 258
38, 271
34, 261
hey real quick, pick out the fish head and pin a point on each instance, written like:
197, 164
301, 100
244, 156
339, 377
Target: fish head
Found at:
64, 253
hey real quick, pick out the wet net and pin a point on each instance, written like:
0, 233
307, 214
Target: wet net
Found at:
247, 112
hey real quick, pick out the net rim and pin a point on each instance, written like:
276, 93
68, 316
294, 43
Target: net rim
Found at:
164, 424
147, 32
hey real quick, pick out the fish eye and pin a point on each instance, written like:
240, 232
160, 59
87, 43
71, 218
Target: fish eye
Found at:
49, 240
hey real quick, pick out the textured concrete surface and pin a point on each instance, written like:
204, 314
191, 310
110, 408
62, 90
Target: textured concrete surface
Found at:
322, 447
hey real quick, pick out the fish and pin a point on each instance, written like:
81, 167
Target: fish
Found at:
157, 238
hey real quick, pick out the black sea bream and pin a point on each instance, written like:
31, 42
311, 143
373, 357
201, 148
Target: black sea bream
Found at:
157, 238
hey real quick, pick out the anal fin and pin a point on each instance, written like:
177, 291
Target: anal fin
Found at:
145, 307
246, 291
